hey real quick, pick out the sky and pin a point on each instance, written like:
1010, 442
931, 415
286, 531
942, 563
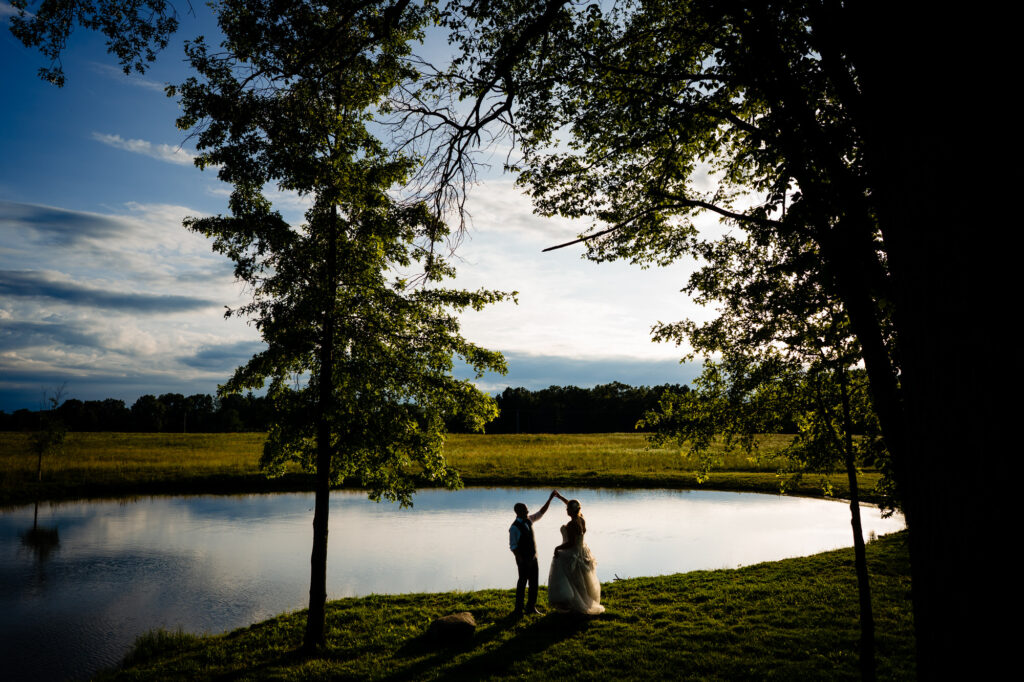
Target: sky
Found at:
104, 293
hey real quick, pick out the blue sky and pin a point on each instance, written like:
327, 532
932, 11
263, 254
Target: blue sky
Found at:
102, 290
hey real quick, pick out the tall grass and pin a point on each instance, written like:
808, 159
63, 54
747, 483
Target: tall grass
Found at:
94, 464
606, 453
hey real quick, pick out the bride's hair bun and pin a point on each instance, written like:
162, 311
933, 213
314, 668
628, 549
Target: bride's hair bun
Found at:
574, 506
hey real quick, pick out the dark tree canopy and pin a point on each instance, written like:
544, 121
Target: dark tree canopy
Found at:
826, 132
135, 30
606, 408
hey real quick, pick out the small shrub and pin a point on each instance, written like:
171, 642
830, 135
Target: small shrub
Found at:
159, 642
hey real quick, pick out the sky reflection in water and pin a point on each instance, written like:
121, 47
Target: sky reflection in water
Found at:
215, 563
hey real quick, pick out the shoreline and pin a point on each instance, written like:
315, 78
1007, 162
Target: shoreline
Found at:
243, 484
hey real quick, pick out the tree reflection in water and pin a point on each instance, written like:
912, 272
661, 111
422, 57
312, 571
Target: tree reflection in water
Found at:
41, 540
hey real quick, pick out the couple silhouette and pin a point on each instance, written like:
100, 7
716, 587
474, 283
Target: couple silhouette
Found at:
572, 581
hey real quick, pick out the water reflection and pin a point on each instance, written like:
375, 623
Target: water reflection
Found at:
41, 540
216, 563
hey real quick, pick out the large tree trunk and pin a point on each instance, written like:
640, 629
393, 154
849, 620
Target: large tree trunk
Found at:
922, 127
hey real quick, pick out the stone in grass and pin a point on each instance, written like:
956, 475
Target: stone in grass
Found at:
453, 629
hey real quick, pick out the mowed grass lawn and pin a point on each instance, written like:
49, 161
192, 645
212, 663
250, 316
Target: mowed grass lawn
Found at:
95, 464
795, 619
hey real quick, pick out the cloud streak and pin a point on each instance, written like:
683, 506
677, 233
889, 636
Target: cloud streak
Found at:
161, 152
58, 226
541, 371
223, 357
32, 284
18, 334
24, 388
120, 76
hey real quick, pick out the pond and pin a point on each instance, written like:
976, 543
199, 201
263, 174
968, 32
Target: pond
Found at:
79, 581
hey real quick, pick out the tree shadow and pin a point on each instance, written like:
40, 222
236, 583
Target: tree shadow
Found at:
536, 636
285, 659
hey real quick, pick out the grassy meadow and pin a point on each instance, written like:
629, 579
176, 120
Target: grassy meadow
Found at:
114, 464
784, 620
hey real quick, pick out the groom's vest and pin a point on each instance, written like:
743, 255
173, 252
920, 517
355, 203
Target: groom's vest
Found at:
526, 547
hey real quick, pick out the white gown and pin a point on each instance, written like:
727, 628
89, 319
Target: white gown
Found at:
572, 582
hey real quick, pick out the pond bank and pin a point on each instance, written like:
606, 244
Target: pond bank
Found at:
791, 619
238, 484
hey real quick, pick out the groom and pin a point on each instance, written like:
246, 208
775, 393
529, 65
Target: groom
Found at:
521, 542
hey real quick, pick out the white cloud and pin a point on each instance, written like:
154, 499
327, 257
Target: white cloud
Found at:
119, 75
568, 306
7, 11
77, 276
161, 152
592, 321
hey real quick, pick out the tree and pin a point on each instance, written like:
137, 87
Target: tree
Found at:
787, 353
148, 414
359, 367
745, 393
840, 126
49, 438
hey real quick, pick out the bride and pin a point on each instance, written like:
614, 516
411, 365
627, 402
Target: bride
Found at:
572, 582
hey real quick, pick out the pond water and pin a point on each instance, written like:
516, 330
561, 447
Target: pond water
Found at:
91, 576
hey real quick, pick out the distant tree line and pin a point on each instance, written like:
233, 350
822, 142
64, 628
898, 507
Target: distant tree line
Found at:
607, 408
168, 413
556, 409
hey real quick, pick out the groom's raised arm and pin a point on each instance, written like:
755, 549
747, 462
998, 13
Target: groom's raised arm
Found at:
540, 512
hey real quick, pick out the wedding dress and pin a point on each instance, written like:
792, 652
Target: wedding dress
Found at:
572, 582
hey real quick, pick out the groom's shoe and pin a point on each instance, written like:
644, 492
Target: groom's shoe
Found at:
534, 612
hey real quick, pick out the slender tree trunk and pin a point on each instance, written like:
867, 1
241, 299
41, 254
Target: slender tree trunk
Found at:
867, 617
316, 619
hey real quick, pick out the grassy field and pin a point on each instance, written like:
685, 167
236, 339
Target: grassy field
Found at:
113, 464
785, 620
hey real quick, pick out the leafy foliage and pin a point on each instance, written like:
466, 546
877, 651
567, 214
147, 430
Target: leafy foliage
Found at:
136, 30
275, 108
359, 352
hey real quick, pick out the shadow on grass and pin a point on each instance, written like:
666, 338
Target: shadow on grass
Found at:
282, 660
485, 655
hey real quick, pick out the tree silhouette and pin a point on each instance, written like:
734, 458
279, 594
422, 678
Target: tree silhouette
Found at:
52, 432
136, 30
824, 131
358, 356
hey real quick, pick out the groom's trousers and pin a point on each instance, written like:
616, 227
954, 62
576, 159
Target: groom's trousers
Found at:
527, 574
